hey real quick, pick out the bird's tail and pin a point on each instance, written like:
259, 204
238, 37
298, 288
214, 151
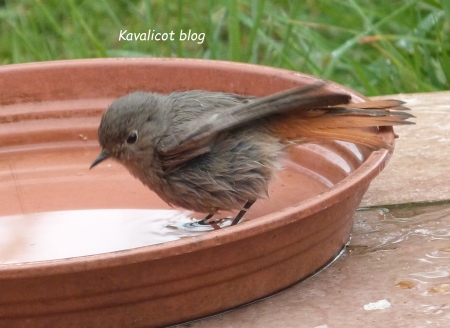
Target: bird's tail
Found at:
347, 122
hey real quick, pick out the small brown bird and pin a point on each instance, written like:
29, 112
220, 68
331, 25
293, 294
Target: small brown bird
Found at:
210, 151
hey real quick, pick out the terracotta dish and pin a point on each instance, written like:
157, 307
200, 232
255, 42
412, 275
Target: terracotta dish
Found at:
49, 116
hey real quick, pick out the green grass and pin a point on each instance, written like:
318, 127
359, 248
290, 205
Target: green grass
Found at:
375, 47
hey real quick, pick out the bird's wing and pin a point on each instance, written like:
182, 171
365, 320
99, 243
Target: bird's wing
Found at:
196, 133
308, 113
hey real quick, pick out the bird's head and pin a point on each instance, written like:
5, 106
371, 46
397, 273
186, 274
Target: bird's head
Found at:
128, 128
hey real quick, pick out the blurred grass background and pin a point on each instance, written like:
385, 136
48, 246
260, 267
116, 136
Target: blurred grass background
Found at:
375, 47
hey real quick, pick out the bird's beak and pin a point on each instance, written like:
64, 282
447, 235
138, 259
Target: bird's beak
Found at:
104, 154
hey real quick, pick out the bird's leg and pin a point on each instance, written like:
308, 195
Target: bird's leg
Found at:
204, 221
242, 212
236, 220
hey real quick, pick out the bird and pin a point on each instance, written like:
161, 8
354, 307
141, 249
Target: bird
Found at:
210, 151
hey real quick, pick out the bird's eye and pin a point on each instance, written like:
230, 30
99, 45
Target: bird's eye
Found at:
132, 137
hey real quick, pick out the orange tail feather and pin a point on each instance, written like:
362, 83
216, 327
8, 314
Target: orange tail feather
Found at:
346, 123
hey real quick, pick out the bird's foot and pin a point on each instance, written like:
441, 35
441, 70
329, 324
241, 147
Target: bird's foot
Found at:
213, 223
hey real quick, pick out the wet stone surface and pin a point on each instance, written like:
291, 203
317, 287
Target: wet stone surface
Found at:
418, 170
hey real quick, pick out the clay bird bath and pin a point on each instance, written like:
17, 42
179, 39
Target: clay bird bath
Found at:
84, 248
